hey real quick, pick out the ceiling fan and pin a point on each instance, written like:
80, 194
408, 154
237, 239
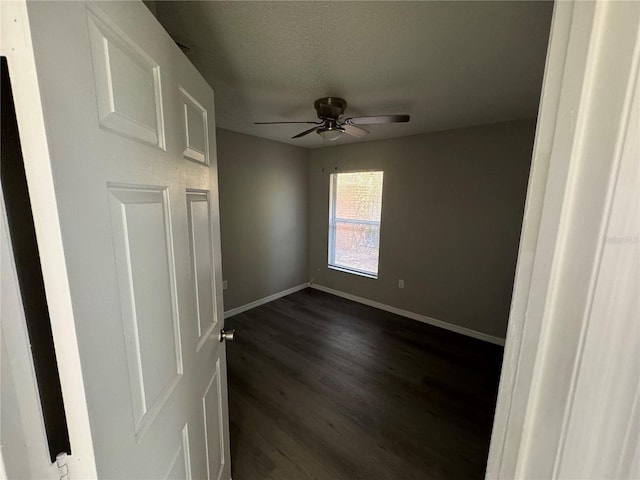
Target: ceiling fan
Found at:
331, 125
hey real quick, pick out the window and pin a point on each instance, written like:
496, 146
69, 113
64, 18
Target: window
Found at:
354, 222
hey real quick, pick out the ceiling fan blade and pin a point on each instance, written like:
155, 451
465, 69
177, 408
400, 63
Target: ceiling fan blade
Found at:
354, 131
276, 123
377, 119
306, 132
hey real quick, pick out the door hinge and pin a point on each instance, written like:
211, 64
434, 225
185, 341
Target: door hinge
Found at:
63, 468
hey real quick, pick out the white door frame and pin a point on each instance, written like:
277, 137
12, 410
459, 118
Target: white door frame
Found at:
15, 44
592, 66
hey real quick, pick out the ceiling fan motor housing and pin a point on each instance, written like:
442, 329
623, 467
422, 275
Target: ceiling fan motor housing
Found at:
330, 108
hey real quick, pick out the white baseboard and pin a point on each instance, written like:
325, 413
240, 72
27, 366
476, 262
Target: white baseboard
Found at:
414, 316
262, 301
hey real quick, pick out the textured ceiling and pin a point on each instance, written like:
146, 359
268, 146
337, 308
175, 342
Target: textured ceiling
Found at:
447, 64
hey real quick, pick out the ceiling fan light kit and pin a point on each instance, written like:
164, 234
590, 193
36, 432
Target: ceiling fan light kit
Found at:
330, 135
331, 126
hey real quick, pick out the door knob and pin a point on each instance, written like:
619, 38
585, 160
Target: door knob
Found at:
227, 335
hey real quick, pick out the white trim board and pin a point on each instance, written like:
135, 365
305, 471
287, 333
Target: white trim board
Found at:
262, 301
413, 316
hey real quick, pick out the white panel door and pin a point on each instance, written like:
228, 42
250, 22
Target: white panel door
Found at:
131, 150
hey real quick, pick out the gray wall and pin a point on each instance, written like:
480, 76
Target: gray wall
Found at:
451, 216
263, 216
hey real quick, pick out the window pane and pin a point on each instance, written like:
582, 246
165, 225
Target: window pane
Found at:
359, 196
356, 246
355, 213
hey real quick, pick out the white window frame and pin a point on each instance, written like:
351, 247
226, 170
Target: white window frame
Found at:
332, 227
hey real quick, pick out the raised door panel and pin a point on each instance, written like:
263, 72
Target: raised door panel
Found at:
127, 83
147, 285
195, 129
202, 263
180, 468
212, 403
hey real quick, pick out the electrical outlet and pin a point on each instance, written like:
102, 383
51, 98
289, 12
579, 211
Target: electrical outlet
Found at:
225, 285
400, 283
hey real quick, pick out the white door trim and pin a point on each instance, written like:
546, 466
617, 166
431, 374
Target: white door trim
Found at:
17, 47
591, 67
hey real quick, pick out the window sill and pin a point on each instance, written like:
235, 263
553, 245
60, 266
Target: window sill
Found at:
354, 272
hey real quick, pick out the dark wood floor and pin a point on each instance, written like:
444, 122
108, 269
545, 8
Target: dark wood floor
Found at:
321, 387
